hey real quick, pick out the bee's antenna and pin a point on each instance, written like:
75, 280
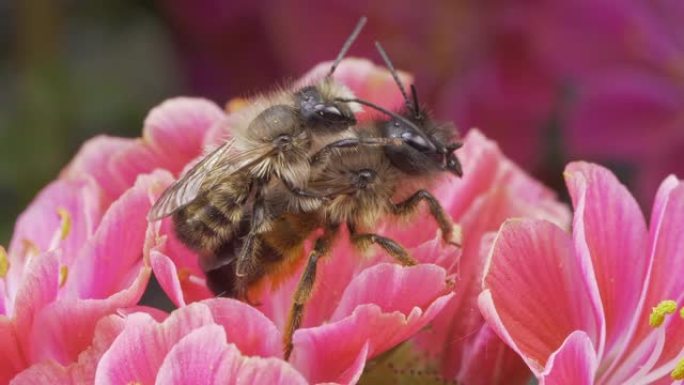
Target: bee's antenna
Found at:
381, 109
347, 44
393, 71
414, 94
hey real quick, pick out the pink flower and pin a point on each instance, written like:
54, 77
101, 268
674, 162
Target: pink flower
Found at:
576, 306
492, 189
361, 307
77, 251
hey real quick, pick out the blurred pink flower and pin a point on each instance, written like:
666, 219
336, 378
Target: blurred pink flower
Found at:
77, 252
623, 61
576, 307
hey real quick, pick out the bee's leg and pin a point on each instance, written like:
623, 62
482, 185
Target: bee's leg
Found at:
450, 233
246, 264
324, 152
390, 246
301, 192
304, 287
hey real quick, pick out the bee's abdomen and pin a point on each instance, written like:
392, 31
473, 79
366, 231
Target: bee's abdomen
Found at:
203, 227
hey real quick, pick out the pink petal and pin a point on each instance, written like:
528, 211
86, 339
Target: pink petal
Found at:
176, 129
80, 372
11, 355
41, 225
489, 361
44, 373
246, 327
325, 352
167, 275
38, 288
112, 258
65, 328
668, 251
533, 270
138, 352
204, 357
609, 230
393, 288
575, 362
93, 159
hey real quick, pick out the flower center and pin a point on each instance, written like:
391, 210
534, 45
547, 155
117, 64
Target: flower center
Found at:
656, 319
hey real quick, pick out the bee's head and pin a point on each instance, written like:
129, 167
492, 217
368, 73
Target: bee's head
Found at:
426, 145
321, 112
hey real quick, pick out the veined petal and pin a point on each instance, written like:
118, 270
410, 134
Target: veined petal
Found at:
204, 357
138, 352
538, 290
609, 230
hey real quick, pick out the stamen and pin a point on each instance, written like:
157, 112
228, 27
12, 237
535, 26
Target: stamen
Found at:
63, 275
29, 248
659, 312
4, 262
183, 274
681, 312
678, 371
65, 220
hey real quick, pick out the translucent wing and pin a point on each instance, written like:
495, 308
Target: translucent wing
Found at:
213, 168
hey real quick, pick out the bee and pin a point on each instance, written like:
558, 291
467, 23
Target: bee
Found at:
272, 142
382, 171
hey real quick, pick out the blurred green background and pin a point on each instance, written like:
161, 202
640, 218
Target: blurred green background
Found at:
69, 71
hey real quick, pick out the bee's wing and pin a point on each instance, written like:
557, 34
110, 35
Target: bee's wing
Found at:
185, 189
218, 166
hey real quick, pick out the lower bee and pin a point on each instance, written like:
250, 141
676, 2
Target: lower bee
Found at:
273, 139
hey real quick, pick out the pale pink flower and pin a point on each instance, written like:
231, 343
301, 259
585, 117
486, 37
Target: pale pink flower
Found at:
576, 306
77, 252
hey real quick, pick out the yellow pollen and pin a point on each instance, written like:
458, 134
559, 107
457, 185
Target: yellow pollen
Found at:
63, 275
135, 383
4, 262
29, 248
659, 312
678, 371
65, 219
236, 104
183, 274
681, 312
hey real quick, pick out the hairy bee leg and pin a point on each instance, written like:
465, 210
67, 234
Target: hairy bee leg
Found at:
304, 287
351, 143
390, 246
408, 206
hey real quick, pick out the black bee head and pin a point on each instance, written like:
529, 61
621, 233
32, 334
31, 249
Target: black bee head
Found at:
425, 146
316, 112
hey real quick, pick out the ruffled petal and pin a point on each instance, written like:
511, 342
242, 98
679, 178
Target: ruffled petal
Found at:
575, 362
324, 353
112, 258
138, 352
176, 128
204, 357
